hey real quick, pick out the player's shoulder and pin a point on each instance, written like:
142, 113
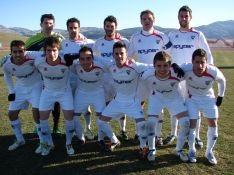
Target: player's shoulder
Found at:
136, 34
58, 35
148, 73
6, 60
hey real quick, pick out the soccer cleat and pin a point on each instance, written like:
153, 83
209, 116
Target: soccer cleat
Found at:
102, 146
57, 133
114, 145
182, 155
39, 149
198, 143
151, 155
124, 135
192, 156
46, 149
89, 134
169, 140
143, 152
158, 141
211, 158
70, 150
16, 145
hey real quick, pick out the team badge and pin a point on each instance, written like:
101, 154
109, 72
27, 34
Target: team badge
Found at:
45, 69
103, 44
177, 36
172, 84
157, 41
192, 37
128, 72
63, 70
207, 82
139, 40
66, 44
97, 73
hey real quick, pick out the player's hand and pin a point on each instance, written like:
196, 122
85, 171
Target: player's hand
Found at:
11, 97
69, 58
219, 101
178, 70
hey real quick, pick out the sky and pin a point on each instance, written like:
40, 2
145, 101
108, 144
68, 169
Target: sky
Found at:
91, 13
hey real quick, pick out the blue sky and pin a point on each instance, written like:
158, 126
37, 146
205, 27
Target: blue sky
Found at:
91, 13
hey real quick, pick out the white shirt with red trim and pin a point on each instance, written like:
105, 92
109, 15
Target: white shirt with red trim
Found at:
184, 43
144, 45
168, 87
203, 86
104, 48
26, 74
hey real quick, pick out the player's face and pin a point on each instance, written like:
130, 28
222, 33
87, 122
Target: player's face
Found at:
17, 54
199, 65
162, 69
120, 55
52, 53
110, 28
73, 30
184, 18
47, 25
147, 21
86, 60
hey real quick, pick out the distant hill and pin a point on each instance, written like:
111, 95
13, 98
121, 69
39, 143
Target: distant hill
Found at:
216, 30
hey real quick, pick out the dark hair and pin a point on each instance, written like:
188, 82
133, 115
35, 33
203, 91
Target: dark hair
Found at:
71, 20
147, 12
16, 43
200, 53
119, 44
110, 19
52, 41
85, 48
185, 8
49, 16
162, 56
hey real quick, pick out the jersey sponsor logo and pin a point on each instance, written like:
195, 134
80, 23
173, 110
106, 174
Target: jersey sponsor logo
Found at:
53, 78
27, 75
144, 51
123, 81
178, 46
106, 54
196, 87
164, 91
88, 81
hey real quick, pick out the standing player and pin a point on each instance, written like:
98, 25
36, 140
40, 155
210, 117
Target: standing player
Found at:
72, 45
27, 89
57, 88
103, 48
164, 93
144, 45
125, 75
36, 43
185, 41
200, 77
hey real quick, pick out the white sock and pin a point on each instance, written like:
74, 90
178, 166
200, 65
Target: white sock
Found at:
16, 126
191, 141
159, 124
106, 128
122, 123
46, 132
198, 128
142, 133
78, 128
151, 132
87, 118
69, 125
39, 132
183, 132
174, 124
212, 135
101, 134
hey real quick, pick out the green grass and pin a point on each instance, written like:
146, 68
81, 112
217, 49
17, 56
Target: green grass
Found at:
123, 160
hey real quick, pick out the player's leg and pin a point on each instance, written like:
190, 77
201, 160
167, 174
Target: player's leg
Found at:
198, 141
56, 117
151, 124
159, 124
122, 126
87, 117
172, 136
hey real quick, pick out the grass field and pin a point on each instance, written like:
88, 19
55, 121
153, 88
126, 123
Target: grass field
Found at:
123, 160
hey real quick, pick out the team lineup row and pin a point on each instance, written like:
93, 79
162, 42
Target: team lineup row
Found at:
112, 70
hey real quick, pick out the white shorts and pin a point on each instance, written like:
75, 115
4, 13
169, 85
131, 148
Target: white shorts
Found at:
117, 109
26, 95
108, 88
158, 102
85, 99
48, 98
205, 105
143, 91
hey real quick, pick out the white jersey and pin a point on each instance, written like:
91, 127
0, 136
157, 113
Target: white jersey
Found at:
203, 86
168, 87
90, 81
126, 80
26, 74
54, 77
145, 45
184, 43
103, 48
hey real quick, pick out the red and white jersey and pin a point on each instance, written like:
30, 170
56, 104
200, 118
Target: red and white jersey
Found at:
90, 81
103, 48
54, 77
26, 74
168, 87
203, 86
144, 45
74, 46
184, 43
126, 80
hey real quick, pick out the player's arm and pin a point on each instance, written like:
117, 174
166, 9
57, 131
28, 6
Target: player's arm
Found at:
10, 84
131, 50
221, 87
